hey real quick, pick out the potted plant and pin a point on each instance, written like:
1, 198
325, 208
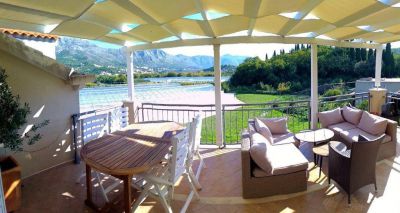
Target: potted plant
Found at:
13, 116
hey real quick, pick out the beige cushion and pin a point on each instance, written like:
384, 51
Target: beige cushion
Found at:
286, 159
276, 125
258, 152
352, 115
330, 117
258, 138
263, 129
279, 139
372, 124
352, 135
340, 127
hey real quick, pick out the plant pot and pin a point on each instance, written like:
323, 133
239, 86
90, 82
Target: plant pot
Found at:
11, 176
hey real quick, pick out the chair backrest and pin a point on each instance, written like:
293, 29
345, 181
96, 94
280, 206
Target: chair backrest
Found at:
179, 154
195, 134
363, 157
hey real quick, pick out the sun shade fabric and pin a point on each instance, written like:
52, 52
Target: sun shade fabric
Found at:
142, 21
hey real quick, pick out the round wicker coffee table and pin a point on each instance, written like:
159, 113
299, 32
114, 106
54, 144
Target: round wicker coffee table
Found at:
315, 137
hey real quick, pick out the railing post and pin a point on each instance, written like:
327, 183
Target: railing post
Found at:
109, 123
224, 125
77, 159
309, 114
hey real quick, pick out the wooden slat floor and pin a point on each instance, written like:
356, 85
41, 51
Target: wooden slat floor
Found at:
56, 191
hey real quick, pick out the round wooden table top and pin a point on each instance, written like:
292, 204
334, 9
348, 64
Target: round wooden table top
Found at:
322, 150
315, 136
133, 150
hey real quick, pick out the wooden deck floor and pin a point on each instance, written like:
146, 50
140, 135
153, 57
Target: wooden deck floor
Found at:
56, 191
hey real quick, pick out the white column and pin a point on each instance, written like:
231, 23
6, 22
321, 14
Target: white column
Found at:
130, 103
218, 102
378, 67
129, 72
314, 86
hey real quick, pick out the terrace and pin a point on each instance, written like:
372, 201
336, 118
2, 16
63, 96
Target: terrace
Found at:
146, 25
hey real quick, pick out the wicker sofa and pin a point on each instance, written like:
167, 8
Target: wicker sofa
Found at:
290, 174
348, 133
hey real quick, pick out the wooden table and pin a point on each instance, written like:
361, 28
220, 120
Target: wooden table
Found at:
125, 153
321, 152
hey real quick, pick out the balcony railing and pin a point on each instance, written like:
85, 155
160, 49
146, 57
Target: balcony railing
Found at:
93, 124
235, 116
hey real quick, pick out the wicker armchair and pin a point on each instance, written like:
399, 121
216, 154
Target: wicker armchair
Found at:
353, 168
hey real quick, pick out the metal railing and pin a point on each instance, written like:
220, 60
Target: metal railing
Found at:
236, 116
93, 124
181, 113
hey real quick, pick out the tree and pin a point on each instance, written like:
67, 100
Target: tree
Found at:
370, 55
352, 54
363, 53
388, 62
358, 55
14, 116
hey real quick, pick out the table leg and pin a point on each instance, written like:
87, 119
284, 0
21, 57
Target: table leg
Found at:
89, 200
127, 193
320, 165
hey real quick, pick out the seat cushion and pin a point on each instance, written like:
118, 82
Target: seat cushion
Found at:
352, 135
279, 139
352, 115
372, 124
330, 117
263, 129
276, 125
340, 127
286, 159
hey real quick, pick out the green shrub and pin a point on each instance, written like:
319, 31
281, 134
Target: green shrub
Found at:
284, 87
332, 92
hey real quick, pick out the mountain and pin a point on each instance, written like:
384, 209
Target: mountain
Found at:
87, 57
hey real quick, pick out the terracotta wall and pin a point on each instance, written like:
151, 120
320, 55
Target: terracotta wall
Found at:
51, 98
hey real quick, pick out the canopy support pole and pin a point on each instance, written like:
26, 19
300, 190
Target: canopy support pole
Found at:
314, 86
378, 67
130, 103
129, 72
218, 103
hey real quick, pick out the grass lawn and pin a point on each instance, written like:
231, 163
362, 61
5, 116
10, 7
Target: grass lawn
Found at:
236, 119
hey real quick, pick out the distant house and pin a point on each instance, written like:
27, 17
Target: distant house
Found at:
52, 92
364, 84
45, 43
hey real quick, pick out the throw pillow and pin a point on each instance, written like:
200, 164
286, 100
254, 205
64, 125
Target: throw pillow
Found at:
330, 117
263, 130
352, 115
372, 124
276, 125
258, 153
258, 138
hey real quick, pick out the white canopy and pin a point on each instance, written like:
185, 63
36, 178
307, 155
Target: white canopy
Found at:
147, 24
